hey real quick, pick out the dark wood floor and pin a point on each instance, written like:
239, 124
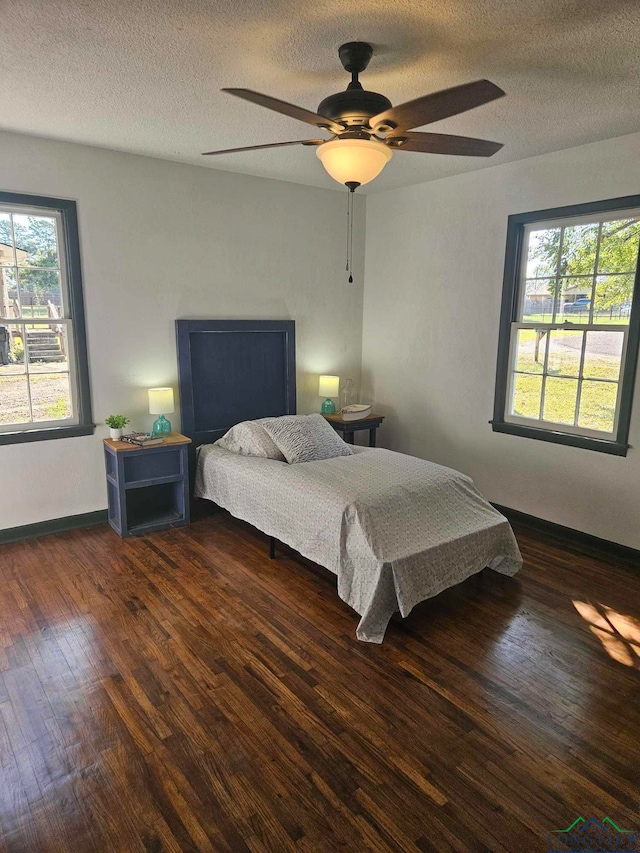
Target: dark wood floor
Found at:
183, 692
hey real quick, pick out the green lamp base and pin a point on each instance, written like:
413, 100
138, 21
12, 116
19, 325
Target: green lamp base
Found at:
328, 407
161, 427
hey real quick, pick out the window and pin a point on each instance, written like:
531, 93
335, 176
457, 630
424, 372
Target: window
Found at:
44, 380
570, 325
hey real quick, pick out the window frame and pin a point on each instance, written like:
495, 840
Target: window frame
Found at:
65, 213
511, 302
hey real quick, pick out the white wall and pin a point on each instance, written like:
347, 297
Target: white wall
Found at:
161, 241
433, 285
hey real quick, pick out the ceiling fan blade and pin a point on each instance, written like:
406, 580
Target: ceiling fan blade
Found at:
286, 109
438, 105
443, 143
268, 145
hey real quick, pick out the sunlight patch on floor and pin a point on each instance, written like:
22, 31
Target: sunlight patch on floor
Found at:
618, 633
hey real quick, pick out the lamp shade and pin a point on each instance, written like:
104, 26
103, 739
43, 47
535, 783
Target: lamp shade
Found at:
328, 386
160, 401
357, 160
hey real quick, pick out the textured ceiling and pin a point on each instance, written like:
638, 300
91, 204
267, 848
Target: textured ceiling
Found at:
145, 76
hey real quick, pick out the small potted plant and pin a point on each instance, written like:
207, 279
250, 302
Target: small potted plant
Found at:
116, 424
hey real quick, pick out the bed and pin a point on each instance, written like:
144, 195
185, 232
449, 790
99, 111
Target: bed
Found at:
394, 529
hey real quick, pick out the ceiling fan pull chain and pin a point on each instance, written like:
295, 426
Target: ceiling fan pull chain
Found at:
351, 194
348, 215
352, 186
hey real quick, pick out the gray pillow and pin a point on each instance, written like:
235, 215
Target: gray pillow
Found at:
305, 438
249, 438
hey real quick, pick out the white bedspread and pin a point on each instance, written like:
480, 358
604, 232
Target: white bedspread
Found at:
393, 528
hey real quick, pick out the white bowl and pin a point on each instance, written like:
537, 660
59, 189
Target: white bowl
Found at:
356, 414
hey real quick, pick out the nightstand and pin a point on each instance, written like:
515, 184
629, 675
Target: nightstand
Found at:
147, 487
347, 428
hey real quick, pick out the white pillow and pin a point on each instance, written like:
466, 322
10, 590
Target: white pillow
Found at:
305, 438
249, 438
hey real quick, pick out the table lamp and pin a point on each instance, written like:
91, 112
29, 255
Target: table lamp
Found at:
161, 402
328, 387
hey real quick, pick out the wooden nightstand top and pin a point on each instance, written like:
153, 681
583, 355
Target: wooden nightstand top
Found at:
337, 419
173, 438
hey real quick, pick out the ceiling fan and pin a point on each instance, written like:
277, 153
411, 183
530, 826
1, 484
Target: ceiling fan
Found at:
367, 129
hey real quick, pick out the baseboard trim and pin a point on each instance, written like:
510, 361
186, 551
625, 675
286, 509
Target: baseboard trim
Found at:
55, 525
568, 534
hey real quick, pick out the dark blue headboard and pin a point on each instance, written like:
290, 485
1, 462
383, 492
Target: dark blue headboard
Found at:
232, 371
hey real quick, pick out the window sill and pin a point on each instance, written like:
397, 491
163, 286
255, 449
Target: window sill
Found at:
614, 448
46, 434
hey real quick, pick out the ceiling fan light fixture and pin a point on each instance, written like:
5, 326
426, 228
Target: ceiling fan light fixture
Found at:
356, 161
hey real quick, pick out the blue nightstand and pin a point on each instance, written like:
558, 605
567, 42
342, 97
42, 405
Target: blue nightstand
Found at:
148, 487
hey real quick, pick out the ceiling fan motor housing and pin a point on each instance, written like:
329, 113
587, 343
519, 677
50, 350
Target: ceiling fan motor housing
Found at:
353, 107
